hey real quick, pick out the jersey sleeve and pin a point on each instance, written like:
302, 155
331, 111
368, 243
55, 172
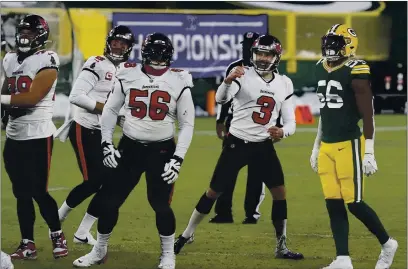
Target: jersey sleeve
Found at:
361, 70
288, 110
48, 60
94, 66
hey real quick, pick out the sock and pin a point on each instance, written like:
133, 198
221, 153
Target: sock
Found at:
195, 219
370, 219
167, 244
64, 211
102, 241
86, 225
56, 233
339, 225
279, 217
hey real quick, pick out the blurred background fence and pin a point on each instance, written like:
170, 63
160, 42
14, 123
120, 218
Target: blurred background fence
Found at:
207, 36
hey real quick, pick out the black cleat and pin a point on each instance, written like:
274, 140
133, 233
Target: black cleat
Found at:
282, 251
250, 220
220, 219
180, 242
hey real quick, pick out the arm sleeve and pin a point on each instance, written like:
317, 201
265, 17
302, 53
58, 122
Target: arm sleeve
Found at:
48, 60
226, 92
185, 118
288, 112
111, 111
85, 82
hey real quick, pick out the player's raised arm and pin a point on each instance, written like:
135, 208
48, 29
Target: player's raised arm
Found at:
230, 86
111, 111
85, 82
41, 85
185, 118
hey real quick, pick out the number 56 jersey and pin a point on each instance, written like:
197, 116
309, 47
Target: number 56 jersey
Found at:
338, 107
152, 103
35, 122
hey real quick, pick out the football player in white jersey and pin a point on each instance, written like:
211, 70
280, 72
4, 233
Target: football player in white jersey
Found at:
257, 94
89, 93
31, 77
155, 96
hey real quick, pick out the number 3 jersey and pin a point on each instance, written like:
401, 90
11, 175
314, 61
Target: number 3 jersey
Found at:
152, 104
35, 122
338, 107
256, 105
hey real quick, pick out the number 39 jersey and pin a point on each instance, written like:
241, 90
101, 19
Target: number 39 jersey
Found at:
338, 107
151, 101
257, 103
37, 121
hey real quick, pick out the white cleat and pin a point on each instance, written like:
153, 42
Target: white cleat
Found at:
84, 239
167, 261
341, 262
96, 256
387, 254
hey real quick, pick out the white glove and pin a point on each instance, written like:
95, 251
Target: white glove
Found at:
172, 169
110, 155
313, 159
369, 164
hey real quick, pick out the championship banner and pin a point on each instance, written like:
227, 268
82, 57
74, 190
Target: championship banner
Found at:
203, 44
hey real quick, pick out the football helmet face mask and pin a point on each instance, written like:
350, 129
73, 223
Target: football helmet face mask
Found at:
31, 34
157, 50
266, 53
119, 44
339, 42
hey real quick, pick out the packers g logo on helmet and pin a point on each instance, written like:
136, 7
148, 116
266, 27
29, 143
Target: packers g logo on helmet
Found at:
339, 41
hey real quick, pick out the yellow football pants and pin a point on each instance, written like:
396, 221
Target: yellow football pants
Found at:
340, 170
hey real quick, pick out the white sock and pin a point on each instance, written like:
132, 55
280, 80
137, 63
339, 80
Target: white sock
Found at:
102, 241
86, 225
284, 227
167, 243
195, 219
343, 257
64, 211
387, 244
56, 233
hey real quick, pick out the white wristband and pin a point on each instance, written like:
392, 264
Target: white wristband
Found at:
369, 146
5, 99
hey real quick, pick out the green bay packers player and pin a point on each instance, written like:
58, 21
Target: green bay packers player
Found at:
341, 155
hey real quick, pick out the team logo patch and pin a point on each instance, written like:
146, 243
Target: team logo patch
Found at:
351, 32
108, 76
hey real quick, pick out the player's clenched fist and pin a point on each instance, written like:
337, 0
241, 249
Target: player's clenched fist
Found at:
236, 72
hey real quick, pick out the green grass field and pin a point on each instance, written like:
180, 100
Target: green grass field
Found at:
135, 243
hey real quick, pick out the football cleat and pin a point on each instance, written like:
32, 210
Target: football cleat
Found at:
341, 262
167, 261
282, 251
59, 245
96, 256
191, 239
180, 242
221, 219
250, 220
84, 239
25, 251
387, 254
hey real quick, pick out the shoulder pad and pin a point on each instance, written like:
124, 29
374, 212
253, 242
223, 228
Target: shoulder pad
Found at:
183, 75
48, 59
358, 67
289, 84
125, 68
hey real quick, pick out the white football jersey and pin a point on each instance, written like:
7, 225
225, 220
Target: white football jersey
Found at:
95, 81
257, 103
37, 123
150, 106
